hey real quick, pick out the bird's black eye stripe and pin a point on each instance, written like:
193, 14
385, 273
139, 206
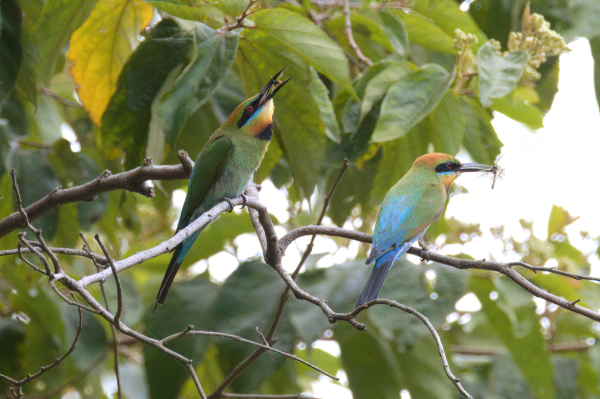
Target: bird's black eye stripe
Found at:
447, 167
249, 110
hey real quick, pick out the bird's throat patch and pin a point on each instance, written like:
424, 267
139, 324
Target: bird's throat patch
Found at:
267, 132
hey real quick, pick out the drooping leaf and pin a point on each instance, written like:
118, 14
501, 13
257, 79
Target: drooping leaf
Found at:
498, 75
406, 284
100, 47
11, 52
297, 116
480, 140
513, 316
321, 96
559, 219
410, 100
296, 36
214, 54
367, 358
127, 117
396, 32
449, 124
59, 18
250, 298
425, 32
188, 302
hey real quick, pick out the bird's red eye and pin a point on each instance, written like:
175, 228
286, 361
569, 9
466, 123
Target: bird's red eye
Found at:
250, 108
449, 165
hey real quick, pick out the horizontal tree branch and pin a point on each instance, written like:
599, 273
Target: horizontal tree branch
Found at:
133, 180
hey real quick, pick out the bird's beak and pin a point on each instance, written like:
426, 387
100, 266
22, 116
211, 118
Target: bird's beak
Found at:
271, 88
474, 167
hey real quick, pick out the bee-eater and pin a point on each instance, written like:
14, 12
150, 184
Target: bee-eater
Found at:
409, 208
225, 166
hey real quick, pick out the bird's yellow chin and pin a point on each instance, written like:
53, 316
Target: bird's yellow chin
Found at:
448, 179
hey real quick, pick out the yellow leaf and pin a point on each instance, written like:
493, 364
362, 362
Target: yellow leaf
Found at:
100, 48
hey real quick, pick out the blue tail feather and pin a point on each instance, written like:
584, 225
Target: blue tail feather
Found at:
380, 270
180, 251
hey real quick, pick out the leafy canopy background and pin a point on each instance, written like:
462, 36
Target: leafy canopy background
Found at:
148, 85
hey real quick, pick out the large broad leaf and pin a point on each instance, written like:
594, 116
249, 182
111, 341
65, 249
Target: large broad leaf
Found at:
410, 100
480, 138
250, 298
425, 32
559, 219
36, 179
369, 362
321, 96
100, 47
196, 11
59, 18
127, 117
448, 16
498, 75
11, 52
299, 37
448, 124
213, 57
396, 32
188, 303
297, 115
513, 316
406, 284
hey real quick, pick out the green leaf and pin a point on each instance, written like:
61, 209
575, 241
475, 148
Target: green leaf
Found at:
396, 32
410, 100
480, 140
92, 340
59, 18
321, 96
448, 124
233, 7
425, 32
295, 36
448, 16
559, 219
11, 52
369, 362
301, 130
406, 284
250, 298
213, 57
498, 75
513, 317
519, 109
189, 302
127, 117
36, 179
202, 12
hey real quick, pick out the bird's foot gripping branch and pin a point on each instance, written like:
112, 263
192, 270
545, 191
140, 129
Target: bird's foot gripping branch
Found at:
273, 249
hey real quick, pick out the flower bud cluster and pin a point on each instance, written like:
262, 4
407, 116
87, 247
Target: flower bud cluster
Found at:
537, 40
467, 61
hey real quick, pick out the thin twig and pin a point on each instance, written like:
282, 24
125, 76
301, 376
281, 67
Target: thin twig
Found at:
19, 383
62, 251
258, 396
351, 42
253, 6
59, 98
425, 321
265, 347
87, 248
133, 180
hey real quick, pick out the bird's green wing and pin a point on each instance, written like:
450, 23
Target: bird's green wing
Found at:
207, 170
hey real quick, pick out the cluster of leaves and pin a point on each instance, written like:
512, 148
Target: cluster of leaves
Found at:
80, 69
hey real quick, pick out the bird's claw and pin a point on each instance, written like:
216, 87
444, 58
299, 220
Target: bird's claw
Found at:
423, 245
244, 200
229, 202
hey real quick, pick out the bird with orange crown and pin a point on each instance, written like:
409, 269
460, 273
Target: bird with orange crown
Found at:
409, 208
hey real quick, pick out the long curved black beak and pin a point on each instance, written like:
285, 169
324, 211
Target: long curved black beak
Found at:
474, 167
266, 94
